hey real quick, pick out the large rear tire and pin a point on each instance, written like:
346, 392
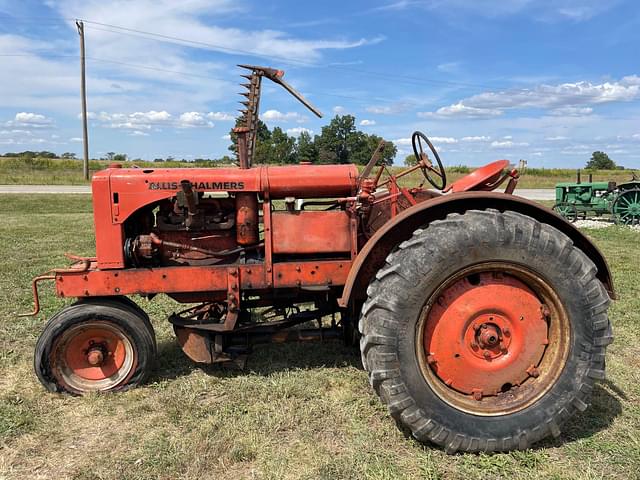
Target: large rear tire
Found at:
485, 331
91, 347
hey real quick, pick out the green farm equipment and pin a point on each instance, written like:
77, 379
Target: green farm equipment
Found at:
578, 199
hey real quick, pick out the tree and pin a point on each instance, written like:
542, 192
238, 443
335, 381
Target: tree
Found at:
410, 160
120, 157
306, 148
601, 161
388, 154
339, 142
68, 155
335, 140
282, 147
110, 156
342, 142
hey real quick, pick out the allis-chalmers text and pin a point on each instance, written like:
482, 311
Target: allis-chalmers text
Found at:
197, 185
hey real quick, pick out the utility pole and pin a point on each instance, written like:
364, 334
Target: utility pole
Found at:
83, 93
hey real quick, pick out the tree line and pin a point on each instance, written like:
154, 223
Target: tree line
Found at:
338, 142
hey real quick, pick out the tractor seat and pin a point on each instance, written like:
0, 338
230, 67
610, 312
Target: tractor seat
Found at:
485, 178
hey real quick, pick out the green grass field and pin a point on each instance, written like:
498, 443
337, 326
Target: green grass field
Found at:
297, 411
17, 171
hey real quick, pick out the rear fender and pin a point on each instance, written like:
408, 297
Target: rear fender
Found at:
372, 256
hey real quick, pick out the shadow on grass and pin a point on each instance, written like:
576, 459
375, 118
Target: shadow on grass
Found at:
267, 359
264, 359
604, 408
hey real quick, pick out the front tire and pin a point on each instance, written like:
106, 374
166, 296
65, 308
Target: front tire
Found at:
95, 347
485, 331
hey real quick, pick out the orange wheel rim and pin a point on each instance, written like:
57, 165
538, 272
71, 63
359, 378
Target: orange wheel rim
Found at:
493, 338
93, 356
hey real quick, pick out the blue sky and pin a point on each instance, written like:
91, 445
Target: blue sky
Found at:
545, 81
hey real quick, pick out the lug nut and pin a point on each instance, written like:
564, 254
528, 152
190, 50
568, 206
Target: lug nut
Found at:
431, 359
533, 371
486, 354
477, 394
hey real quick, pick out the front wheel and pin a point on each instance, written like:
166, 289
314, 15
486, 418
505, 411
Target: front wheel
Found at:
91, 347
485, 331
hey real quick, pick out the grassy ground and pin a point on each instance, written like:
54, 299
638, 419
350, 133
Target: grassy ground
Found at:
297, 411
14, 171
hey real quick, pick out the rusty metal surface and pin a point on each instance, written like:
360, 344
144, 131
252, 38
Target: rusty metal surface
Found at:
311, 232
247, 219
247, 128
480, 177
508, 374
483, 334
179, 279
311, 274
196, 345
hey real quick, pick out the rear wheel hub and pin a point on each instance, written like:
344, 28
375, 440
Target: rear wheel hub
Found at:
485, 334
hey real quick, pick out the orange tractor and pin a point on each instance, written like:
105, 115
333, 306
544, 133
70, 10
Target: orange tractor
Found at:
481, 316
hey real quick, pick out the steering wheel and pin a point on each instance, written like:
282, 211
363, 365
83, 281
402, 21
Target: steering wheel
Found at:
425, 164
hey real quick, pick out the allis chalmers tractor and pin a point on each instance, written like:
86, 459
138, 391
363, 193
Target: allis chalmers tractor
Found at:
481, 316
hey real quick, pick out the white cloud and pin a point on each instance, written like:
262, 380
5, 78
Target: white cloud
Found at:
76, 140
139, 133
460, 110
388, 109
196, 20
556, 138
31, 120
555, 96
220, 116
572, 111
140, 121
367, 123
480, 138
338, 109
298, 130
277, 116
558, 10
226, 137
194, 119
382, 110
132, 121
507, 144
435, 140
562, 100
449, 67
443, 140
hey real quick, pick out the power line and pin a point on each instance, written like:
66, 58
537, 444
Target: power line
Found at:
286, 60
186, 74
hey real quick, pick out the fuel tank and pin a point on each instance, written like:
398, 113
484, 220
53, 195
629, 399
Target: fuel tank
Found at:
301, 181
